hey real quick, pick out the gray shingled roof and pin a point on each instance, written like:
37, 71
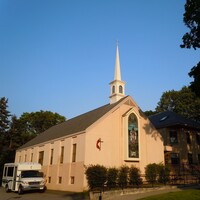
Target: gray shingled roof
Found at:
169, 118
71, 126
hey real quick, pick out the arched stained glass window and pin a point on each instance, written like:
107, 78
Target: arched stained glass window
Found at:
120, 89
113, 89
133, 142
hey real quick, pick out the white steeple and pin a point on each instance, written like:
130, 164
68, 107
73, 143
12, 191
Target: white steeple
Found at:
117, 86
117, 66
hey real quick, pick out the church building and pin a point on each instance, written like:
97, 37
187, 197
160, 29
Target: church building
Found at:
112, 135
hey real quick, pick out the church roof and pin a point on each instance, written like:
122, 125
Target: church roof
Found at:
169, 119
72, 126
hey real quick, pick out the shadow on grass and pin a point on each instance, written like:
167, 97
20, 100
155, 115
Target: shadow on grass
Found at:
71, 195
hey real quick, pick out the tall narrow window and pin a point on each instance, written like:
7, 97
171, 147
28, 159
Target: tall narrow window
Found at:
72, 180
113, 89
188, 137
10, 171
25, 157
175, 159
51, 157
199, 158
49, 179
62, 154
41, 157
5, 171
31, 157
173, 137
190, 159
120, 89
60, 179
198, 139
133, 142
74, 153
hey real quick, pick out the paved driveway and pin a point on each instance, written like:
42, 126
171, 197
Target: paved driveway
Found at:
48, 195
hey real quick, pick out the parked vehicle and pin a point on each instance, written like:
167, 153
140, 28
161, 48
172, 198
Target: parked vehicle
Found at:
21, 177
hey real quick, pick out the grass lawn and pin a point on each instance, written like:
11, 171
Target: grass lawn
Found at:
192, 194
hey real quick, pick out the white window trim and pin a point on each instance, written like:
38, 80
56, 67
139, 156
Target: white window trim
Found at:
125, 129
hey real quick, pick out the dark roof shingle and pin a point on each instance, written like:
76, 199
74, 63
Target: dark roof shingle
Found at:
169, 118
71, 126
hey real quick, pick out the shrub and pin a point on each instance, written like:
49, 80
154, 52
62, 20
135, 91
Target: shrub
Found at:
163, 173
112, 174
135, 176
96, 176
123, 176
151, 173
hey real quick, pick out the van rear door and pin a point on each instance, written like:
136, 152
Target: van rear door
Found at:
14, 179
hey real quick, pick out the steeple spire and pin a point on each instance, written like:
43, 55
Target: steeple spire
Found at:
117, 86
117, 65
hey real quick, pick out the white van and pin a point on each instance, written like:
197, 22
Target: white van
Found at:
20, 177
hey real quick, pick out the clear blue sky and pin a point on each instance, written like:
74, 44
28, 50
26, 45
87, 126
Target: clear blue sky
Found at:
59, 55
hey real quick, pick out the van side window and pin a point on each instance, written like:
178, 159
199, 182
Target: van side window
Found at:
5, 171
10, 171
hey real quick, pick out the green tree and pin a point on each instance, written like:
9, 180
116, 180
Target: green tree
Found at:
195, 85
183, 102
191, 18
4, 120
150, 112
16, 132
4, 128
32, 124
191, 39
14, 136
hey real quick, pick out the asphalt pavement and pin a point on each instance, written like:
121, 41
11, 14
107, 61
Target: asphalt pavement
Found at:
48, 195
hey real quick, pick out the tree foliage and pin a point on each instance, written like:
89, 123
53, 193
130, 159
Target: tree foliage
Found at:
4, 123
183, 102
191, 19
14, 138
16, 132
4, 117
195, 74
4, 129
150, 112
191, 39
36, 122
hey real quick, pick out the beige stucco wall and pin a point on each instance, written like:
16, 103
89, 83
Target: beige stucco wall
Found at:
112, 129
67, 169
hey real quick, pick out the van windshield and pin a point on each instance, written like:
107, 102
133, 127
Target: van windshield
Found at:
32, 173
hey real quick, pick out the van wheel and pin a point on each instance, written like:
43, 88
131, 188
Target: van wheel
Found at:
20, 190
43, 190
7, 189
